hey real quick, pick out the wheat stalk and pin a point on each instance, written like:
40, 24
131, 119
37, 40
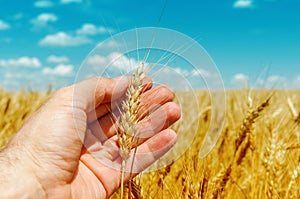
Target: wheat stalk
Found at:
126, 131
204, 185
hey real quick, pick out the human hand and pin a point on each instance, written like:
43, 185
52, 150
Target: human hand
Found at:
68, 148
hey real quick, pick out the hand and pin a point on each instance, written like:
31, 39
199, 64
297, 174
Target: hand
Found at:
68, 148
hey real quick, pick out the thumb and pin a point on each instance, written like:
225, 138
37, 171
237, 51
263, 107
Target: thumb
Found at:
79, 99
90, 93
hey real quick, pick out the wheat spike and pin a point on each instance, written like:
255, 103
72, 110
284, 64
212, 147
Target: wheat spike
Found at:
128, 119
250, 119
221, 181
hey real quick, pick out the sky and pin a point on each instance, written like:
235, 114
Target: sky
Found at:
253, 42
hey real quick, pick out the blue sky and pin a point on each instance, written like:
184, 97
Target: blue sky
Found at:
45, 41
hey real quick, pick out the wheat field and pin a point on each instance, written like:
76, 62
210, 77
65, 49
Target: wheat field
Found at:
256, 156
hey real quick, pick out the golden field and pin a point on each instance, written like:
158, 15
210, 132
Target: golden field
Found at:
256, 156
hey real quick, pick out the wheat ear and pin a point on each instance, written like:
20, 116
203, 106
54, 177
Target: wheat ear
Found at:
128, 119
247, 126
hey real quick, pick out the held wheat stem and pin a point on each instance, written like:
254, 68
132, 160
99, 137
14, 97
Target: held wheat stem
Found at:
128, 119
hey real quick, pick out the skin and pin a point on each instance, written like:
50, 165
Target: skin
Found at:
69, 148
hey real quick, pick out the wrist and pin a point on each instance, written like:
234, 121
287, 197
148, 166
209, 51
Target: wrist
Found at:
17, 180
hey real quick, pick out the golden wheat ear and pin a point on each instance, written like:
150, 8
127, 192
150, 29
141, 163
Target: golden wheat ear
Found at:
128, 120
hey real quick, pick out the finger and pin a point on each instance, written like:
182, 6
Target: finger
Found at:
150, 151
152, 100
105, 128
160, 119
103, 109
90, 93
108, 172
114, 101
91, 143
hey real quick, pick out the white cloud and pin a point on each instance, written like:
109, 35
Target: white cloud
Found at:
201, 72
78, 38
43, 4
4, 25
70, 1
110, 44
274, 78
43, 19
122, 62
115, 64
47, 17
181, 71
91, 29
275, 81
115, 60
57, 59
177, 78
243, 4
61, 70
239, 79
11, 75
31, 62
96, 60
63, 39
